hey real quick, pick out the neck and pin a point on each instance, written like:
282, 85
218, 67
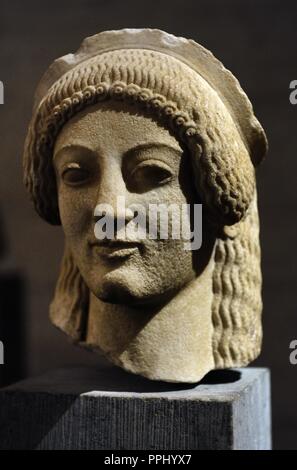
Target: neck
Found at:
173, 343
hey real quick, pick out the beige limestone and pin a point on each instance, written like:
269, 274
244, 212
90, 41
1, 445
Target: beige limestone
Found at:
153, 119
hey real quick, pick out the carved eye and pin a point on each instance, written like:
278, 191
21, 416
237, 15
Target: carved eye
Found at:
75, 175
150, 174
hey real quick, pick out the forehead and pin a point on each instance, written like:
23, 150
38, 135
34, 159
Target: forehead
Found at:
113, 126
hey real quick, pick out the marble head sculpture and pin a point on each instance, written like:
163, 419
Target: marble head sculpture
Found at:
151, 118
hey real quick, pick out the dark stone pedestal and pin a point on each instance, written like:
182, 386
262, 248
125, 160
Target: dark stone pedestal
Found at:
107, 408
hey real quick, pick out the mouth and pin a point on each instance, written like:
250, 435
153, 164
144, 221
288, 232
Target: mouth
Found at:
114, 249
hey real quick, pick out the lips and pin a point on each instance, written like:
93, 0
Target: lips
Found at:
115, 249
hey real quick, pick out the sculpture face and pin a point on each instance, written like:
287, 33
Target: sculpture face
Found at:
105, 153
137, 118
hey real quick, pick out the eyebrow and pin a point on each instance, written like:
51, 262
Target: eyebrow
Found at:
132, 150
72, 146
148, 146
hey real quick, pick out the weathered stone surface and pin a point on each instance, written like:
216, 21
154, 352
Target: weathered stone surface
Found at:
151, 119
88, 408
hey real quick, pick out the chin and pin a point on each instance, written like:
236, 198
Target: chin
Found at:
112, 293
118, 290
124, 290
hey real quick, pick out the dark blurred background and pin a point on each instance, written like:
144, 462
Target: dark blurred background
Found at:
257, 41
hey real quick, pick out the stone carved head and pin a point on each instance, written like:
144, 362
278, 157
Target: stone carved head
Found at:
152, 118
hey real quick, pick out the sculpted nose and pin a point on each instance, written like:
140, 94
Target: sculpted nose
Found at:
112, 196
111, 185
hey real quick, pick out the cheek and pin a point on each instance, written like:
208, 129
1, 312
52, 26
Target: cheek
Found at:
171, 254
177, 205
76, 211
171, 193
